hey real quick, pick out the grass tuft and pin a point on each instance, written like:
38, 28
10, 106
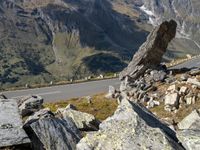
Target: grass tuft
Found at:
100, 107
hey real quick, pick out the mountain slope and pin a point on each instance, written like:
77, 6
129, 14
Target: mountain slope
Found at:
43, 41
187, 15
55, 39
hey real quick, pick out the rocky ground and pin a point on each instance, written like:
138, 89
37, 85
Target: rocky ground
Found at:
158, 108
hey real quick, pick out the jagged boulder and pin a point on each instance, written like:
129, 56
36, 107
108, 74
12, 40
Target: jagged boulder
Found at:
2, 96
131, 127
11, 131
190, 130
194, 81
192, 121
190, 139
50, 133
30, 104
195, 72
151, 52
43, 113
83, 121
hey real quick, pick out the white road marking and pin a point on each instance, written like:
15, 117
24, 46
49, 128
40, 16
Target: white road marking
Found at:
41, 94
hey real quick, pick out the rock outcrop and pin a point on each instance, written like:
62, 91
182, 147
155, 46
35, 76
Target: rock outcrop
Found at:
131, 127
84, 121
11, 131
190, 139
190, 131
2, 96
43, 113
151, 52
49, 132
192, 121
30, 104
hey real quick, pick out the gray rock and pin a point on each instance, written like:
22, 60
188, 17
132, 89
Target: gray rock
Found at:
192, 121
53, 134
151, 52
193, 81
2, 96
152, 103
168, 108
111, 92
83, 121
43, 113
70, 106
89, 99
183, 90
11, 131
172, 99
172, 88
190, 139
132, 127
195, 72
127, 84
190, 100
30, 104
170, 80
145, 99
184, 77
158, 75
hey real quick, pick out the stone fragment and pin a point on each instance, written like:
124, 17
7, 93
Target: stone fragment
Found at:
195, 72
172, 99
183, 90
184, 77
190, 100
172, 88
194, 81
89, 99
2, 96
111, 92
83, 121
152, 103
190, 139
158, 75
53, 134
30, 104
192, 121
43, 113
168, 108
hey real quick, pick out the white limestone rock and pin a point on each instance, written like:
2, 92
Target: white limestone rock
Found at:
132, 127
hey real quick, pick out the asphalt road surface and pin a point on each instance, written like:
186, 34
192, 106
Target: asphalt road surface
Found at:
64, 92
193, 63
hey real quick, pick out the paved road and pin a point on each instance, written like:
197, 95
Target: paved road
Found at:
64, 92
193, 63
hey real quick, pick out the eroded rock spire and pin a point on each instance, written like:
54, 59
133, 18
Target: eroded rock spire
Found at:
151, 52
